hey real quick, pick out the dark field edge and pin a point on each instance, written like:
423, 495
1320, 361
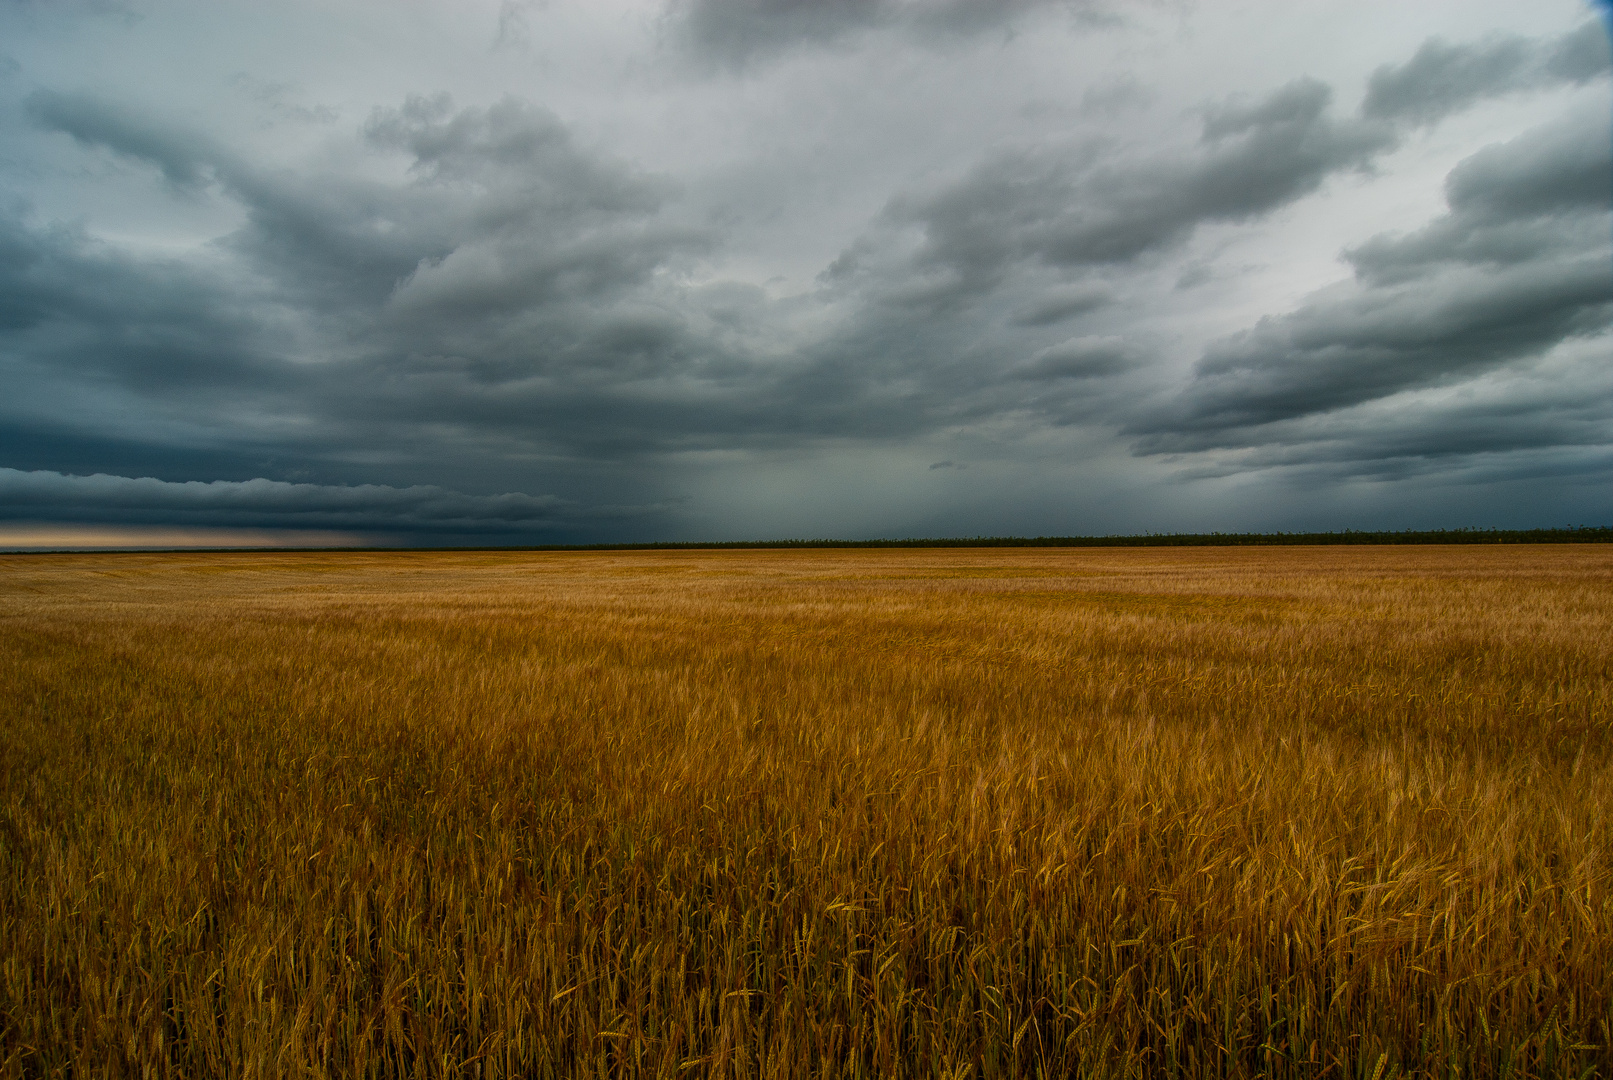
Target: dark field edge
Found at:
1574, 534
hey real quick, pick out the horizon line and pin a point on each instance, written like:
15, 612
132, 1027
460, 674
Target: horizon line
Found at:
1469, 535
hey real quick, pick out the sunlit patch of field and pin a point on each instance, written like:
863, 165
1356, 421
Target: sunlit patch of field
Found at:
1199, 812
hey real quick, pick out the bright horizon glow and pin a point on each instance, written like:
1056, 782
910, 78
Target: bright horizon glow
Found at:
69, 537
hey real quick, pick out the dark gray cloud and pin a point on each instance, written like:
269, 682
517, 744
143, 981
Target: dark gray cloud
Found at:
1536, 197
1337, 352
1079, 358
1083, 208
1520, 264
736, 32
1443, 78
324, 240
1065, 303
1546, 421
1430, 439
512, 266
186, 160
275, 504
72, 309
505, 183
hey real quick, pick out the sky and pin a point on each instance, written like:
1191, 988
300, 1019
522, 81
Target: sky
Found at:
515, 271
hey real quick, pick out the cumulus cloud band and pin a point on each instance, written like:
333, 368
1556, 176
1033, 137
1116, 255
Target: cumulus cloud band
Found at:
40, 493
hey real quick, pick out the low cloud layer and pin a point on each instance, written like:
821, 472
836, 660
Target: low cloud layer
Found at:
1068, 271
276, 504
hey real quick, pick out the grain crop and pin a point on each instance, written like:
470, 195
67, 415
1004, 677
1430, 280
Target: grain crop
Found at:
1292, 812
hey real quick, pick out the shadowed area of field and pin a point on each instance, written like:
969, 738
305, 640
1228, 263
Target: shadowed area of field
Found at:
1200, 812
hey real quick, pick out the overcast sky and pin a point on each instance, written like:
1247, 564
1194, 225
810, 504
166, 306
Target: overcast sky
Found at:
724, 269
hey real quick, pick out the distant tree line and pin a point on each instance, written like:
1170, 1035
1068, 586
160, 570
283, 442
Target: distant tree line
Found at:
1568, 534
1572, 534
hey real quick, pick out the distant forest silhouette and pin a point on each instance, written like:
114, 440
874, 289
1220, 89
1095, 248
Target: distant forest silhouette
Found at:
1573, 534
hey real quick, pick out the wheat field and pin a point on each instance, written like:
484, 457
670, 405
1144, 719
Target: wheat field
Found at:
1210, 812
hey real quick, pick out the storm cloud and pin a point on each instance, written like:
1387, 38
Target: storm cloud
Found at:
1443, 78
735, 32
1081, 208
741, 268
1516, 267
276, 504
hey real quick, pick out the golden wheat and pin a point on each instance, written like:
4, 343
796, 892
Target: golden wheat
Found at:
1203, 812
